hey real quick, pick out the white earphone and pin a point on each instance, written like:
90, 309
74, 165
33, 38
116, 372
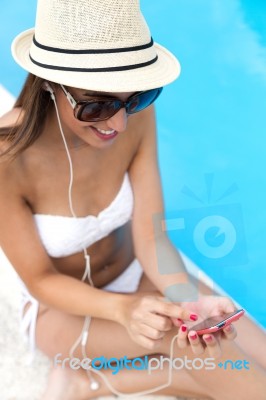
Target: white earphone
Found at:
48, 88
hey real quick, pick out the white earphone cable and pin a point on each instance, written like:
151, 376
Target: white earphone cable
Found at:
82, 339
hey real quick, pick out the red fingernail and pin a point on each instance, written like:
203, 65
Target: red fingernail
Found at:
193, 317
193, 337
208, 338
183, 328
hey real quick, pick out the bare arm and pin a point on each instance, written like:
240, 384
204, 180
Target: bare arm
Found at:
157, 255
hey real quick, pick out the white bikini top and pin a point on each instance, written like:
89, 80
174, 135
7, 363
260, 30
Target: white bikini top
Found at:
63, 236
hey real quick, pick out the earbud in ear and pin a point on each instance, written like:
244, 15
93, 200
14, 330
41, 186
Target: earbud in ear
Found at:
48, 88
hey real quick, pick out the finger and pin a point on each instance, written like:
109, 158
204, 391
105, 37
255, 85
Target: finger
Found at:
174, 311
159, 322
213, 345
182, 337
150, 332
230, 332
227, 305
196, 344
177, 322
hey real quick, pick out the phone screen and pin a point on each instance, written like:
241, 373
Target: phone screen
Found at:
213, 321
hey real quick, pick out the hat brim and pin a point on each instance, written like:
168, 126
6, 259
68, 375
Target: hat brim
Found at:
162, 72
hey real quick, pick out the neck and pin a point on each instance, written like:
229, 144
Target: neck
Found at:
51, 136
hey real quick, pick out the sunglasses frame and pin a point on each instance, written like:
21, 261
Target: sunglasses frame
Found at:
123, 104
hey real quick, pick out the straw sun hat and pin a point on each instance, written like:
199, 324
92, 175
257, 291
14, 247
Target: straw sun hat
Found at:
102, 45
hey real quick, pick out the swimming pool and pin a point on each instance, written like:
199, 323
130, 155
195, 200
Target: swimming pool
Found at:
211, 133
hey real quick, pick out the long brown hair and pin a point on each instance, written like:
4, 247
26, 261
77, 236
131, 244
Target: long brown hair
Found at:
34, 102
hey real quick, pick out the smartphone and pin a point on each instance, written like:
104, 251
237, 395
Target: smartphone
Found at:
214, 324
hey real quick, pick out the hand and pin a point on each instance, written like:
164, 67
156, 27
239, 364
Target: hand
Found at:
205, 307
209, 306
147, 318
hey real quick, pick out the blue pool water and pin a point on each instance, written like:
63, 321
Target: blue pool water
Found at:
211, 133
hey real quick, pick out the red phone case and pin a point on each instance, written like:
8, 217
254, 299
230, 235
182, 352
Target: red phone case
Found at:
220, 325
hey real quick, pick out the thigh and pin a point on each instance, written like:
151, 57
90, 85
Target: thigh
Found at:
56, 332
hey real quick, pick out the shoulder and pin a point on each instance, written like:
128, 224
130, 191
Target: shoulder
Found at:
11, 118
142, 127
7, 121
145, 130
143, 120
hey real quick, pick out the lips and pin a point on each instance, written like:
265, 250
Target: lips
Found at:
104, 136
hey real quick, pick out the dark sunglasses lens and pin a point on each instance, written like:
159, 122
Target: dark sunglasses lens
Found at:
142, 100
98, 110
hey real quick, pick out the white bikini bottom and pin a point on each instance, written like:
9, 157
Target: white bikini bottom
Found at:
127, 282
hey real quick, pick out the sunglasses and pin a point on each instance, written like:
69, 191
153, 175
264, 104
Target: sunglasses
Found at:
103, 108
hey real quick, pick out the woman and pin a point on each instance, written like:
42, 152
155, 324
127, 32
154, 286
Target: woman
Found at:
82, 192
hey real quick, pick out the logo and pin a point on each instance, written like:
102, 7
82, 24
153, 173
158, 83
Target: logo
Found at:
145, 363
98, 363
238, 364
180, 363
212, 233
